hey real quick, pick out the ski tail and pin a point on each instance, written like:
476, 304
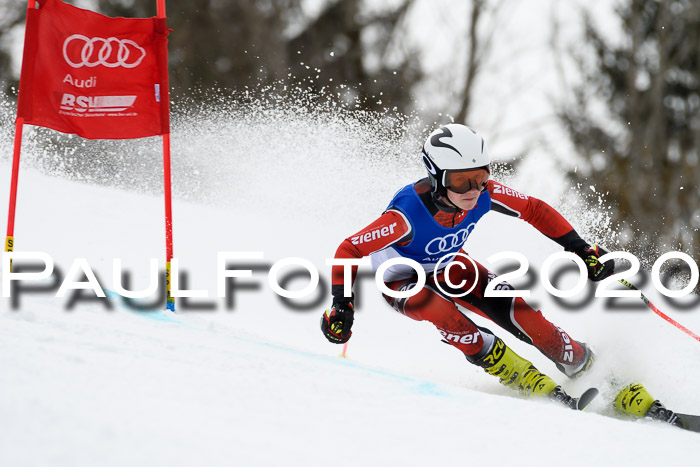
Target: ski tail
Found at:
575, 403
586, 398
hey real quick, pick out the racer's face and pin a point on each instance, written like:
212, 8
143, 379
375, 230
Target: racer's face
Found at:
464, 201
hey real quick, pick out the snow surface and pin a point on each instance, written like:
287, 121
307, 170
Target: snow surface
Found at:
258, 384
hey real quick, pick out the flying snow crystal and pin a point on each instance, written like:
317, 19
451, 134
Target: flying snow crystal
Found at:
308, 146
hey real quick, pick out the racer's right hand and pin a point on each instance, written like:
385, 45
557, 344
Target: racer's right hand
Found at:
337, 321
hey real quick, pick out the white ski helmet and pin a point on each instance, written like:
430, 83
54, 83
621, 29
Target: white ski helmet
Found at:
453, 147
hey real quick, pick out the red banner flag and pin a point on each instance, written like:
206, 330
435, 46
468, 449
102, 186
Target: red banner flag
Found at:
94, 76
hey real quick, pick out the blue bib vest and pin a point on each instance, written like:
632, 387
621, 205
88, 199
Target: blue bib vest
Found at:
431, 242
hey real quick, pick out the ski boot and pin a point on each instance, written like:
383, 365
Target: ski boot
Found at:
636, 401
518, 373
573, 371
513, 370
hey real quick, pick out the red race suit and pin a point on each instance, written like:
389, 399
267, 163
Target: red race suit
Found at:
393, 229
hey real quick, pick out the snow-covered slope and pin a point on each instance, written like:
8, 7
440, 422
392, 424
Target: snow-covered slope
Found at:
258, 384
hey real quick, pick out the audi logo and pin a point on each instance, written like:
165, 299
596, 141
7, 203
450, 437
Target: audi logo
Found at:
100, 51
449, 242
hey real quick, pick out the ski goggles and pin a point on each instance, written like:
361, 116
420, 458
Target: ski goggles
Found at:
462, 181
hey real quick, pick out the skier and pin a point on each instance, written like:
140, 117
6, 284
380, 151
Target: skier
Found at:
429, 221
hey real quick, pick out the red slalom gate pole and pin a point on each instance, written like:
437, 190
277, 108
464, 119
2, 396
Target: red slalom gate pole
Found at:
19, 126
9, 239
659, 313
170, 302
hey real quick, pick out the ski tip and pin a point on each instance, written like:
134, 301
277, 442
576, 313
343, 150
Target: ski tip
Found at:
586, 398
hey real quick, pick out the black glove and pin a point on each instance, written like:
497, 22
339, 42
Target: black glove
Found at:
597, 271
337, 321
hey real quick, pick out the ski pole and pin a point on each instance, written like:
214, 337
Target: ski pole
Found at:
658, 312
344, 353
